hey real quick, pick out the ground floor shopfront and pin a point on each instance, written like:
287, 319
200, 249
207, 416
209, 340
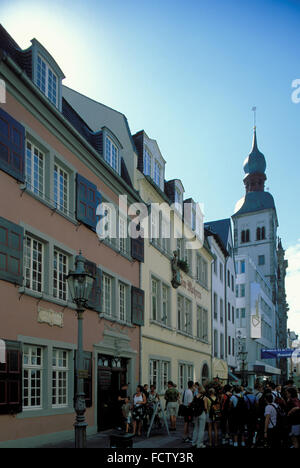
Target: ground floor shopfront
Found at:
178, 360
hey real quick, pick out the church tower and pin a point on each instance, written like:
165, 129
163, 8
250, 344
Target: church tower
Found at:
255, 219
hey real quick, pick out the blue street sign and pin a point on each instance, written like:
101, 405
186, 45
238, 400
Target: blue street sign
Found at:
276, 353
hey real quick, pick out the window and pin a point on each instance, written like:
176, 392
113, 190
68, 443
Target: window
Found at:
33, 257
165, 294
245, 236
201, 270
221, 271
242, 266
157, 173
202, 323
232, 314
261, 259
60, 271
222, 346
228, 278
260, 233
34, 169
185, 373
122, 302
111, 154
215, 343
215, 306
32, 377
215, 266
154, 299
47, 81
178, 200
221, 311
228, 312
107, 295
154, 370
229, 345
59, 378
232, 283
184, 311
233, 347
147, 163
243, 312
242, 290
165, 372
61, 188
123, 235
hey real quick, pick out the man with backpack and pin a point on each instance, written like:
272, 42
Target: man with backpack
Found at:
199, 408
271, 427
238, 416
213, 415
251, 415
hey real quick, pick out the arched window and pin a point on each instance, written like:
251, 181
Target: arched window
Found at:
247, 235
263, 233
258, 233
243, 236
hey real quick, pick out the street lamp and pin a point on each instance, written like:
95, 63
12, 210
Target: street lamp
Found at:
242, 355
80, 285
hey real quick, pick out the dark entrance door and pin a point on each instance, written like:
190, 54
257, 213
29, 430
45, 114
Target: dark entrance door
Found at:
112, 373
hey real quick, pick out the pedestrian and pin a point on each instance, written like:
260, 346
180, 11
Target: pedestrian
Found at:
187, 399
270, 429
196, 388
172, 399
238, 416
225, 405
251, 416
213, 416
124, 407
199, 406
145, 391
293, 409
153, 398
139, 401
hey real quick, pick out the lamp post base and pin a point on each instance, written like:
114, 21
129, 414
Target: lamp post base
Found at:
80, 435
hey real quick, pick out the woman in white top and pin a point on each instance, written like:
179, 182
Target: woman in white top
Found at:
139, 401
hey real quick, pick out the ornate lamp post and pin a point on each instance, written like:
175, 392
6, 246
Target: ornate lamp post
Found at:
242, 357
80, 285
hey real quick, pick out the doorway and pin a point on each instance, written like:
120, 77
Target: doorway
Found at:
111, 375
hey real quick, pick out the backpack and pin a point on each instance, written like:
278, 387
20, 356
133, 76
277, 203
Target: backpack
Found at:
241, 410
215, 409
225, 405
281, 420
197, 406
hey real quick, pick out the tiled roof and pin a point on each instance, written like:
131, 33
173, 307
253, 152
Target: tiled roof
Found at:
220, 227
22, 58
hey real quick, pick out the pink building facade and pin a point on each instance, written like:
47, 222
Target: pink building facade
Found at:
54, 172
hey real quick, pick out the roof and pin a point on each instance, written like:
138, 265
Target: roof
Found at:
255, 162
222, 228
23, 58
254, 201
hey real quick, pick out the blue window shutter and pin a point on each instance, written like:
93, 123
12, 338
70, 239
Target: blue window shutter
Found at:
12, 146
88, 198
96, 293
11, 252
11, 379
137, 306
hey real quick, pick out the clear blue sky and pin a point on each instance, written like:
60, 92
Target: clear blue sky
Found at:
188, 72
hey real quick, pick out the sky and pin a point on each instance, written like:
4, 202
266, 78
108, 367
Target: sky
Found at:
188, 73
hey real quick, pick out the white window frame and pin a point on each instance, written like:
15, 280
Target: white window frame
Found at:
31, 260
30, 183
48, 70
32, 369
107, 295
60, 294
64, 208
112, 150
60, 373
147, 163
122, 301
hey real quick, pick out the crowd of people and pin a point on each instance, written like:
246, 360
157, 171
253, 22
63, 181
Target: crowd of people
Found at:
266, 416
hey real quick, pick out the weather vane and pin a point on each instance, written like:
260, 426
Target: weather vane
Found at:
254, 115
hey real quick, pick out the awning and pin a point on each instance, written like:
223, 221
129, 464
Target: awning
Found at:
231, 376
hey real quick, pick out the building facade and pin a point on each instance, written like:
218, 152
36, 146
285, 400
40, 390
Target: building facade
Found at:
55, 172
176, 343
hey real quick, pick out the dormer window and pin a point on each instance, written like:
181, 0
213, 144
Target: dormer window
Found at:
147, 163
111, 154
178, 200
157, 173
47, 80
